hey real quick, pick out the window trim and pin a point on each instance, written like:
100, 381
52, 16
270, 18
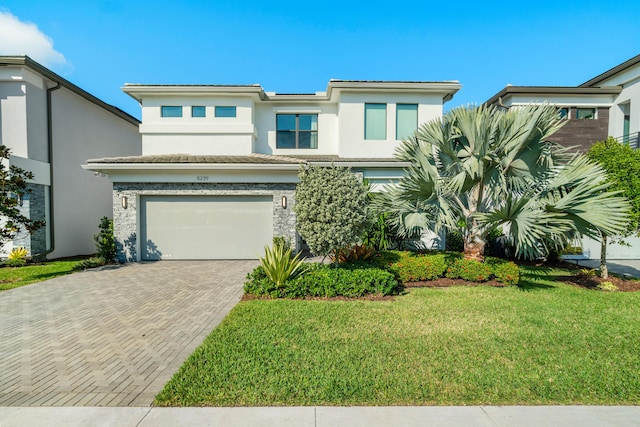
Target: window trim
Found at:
167, 108
385, 121
217, 111
297, 131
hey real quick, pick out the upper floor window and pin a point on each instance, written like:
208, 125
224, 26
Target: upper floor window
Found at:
586, 113
198, 111
406, 120
296, 131
171, 111
224, 111
563, 113
375, 121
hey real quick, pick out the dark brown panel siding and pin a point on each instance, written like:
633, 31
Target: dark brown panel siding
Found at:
581, 134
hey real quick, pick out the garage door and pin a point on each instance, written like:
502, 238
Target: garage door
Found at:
205, 227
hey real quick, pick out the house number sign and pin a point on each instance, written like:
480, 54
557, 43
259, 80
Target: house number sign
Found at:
202, 178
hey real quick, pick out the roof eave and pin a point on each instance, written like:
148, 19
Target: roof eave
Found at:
613, 71
553, 90
25, 61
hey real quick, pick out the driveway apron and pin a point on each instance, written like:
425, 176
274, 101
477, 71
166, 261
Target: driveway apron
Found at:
110, 337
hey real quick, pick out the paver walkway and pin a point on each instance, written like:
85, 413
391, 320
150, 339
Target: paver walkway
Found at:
112, 337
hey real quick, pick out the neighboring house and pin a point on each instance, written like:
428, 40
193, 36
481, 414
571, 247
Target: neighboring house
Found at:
219, 164
52, 127
607, 105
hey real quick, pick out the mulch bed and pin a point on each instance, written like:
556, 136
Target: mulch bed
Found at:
591, 281
446, 282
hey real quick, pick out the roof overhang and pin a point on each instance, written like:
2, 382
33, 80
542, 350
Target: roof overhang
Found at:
543, 92
445, 88
25, 61
612, 72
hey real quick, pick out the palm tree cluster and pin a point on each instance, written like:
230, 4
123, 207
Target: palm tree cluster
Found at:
477, 168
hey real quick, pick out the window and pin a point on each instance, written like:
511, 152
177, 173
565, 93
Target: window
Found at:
586, 113
375, 121
563, 113
406, 120
222, 111
626, 121
296, 131
198, 111
171, 111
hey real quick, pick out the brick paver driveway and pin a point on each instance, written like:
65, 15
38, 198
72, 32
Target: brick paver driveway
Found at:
112, 337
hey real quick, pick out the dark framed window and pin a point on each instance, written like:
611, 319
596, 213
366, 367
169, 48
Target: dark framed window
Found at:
563, 113
586, 113
225, 111
198, 111
296, 131
171, 111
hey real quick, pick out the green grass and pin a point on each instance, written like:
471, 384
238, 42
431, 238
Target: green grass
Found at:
543, 343
11, 277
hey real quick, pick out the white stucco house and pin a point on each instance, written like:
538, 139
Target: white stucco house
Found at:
51, 127
606, 105
219, 163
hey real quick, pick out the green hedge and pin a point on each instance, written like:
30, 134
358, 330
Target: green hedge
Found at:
326, 281
469, 270
415, 267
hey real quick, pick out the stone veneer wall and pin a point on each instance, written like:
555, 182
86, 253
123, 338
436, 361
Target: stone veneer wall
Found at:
125, 221
33, 207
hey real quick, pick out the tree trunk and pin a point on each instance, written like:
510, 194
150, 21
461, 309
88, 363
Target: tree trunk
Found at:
604, 271
474, 246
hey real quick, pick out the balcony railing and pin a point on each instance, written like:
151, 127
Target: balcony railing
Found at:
632, 140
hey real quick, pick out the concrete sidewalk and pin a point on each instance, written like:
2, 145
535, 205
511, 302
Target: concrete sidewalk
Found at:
436, 416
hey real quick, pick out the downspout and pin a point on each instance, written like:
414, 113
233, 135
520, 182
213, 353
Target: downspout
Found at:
51, 224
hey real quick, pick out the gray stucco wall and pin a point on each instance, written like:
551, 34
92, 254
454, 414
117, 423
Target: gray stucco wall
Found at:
125, 220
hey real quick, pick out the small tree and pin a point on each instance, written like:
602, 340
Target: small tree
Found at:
105, 240
622, 164
13, 187
331, 205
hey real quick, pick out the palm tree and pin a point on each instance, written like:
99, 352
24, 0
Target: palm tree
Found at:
478, 168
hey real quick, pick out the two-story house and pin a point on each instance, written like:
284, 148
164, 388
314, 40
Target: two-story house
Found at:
607, 105
219, 164
51, 127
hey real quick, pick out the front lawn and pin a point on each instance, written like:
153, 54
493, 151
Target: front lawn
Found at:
543, 343
14, 277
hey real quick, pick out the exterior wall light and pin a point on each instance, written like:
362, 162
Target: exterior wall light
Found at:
124, 202
284, 202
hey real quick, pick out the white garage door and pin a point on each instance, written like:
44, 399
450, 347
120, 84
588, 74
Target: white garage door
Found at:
205, 227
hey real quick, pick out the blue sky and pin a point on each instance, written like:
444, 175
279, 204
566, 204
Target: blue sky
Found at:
292, 47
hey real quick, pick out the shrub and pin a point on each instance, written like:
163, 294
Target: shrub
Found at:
279, 265
504, 271
105, 241
320, 280
607, 286
17, 257
331, 205
352, 253
281, 241
419, 267
469, 270
92, 262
